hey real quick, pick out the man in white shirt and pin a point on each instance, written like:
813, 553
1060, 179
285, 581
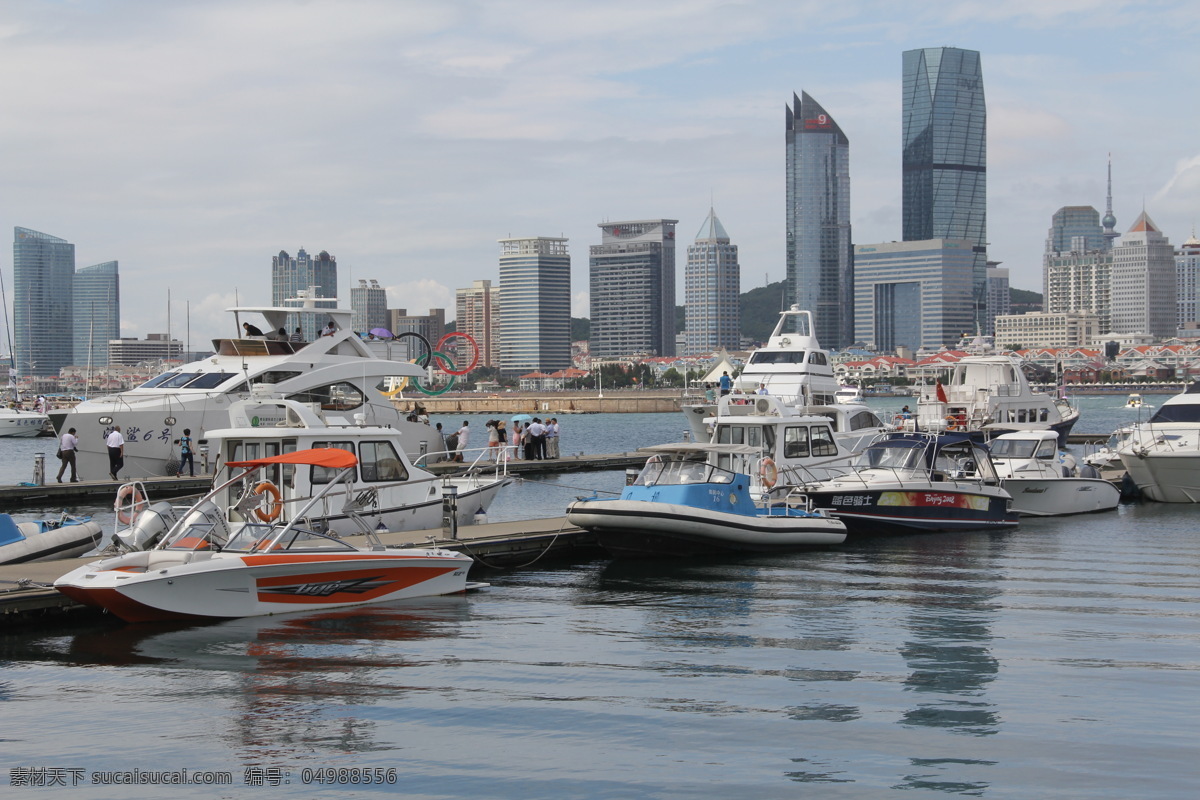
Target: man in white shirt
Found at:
552, 438
67, 446
463, 433
116, 451
537, 440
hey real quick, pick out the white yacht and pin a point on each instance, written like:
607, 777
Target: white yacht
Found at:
1045, 482
1162, 456
992, 391
18, 422
340, 374
791, 368
848, 394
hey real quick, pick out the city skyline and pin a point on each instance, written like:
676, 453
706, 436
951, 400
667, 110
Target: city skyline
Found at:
457, 125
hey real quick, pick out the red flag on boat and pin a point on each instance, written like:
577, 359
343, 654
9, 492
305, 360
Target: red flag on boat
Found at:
941, 393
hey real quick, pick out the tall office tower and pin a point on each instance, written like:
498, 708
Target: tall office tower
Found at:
477, 314
945, 155
368, 301
999, 294
1074, 230
631, 277
1187, 281
1110, 221
913, 294
535, 305
97, 302
43, 310
820, 274
292, 276
712, 284
1143, 281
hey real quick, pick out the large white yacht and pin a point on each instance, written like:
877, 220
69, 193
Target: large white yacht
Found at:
1162, 456
340, 374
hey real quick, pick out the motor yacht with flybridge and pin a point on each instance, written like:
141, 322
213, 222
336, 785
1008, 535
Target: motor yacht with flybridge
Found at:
343, 375
1162, 456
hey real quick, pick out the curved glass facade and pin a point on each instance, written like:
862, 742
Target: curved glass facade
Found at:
945, 155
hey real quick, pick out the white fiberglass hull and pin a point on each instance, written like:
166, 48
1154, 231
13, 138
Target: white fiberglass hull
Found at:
1167, 477
163, 584
21, 423
1051, 497
645, 527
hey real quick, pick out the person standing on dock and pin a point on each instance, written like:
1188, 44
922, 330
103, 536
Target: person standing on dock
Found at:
516, 440
116, 451
185, 453
463, 434
552, 438
67, 446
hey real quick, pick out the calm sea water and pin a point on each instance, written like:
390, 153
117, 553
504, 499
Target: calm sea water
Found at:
1058, 660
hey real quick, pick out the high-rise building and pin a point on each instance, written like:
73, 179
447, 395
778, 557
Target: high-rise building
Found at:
292, 276
97, 303
431, 326
1144, 281
1075, 229
632, 285
43, 307
477, 314
913, 294
819, 255
535, 305
1187, 282
712, 284
945, 155
368, 302
155, 347
999, 294
1079, 282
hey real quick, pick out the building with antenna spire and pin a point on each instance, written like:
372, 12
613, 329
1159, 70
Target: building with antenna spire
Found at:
1110, 221
712, 282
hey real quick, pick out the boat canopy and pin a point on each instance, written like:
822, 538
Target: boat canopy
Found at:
331, 457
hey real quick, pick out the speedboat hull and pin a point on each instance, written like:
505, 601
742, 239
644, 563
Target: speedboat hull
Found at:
911, 508
159, 585
1056, 497
641, 527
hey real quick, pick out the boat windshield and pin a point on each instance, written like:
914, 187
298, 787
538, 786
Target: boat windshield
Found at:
262, 538
188, 380
776, 357
891, 456
1184, 412
665, 472
1014, 448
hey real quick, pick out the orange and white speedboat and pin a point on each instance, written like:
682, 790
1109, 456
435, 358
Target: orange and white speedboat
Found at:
207, 567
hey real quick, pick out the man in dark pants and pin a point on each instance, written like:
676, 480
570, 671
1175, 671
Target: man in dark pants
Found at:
67, 446
116, 451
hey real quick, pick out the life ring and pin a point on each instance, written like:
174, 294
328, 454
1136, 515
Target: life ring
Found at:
129, 504
768, 472
276, 505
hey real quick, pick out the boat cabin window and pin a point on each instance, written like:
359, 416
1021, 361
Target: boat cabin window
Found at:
777, 357
1013, 448
277, 376
210, 380
378, 461
1048, 449
278, 474
321, 475
864, 419
795, 442
891, 457
1177, 413
332, 397
817, 357
661, 471
743, 434
821, 439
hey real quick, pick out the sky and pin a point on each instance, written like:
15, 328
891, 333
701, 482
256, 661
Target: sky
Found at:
192, 141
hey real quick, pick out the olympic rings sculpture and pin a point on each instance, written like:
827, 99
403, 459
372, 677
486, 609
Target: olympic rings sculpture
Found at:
440, 357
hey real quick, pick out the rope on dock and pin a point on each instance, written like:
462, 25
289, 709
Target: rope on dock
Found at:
536, 558
24, 585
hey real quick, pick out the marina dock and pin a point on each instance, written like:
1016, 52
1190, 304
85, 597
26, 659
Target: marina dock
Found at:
27, 594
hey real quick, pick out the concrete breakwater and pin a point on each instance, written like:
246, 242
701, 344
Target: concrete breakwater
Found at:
546, 403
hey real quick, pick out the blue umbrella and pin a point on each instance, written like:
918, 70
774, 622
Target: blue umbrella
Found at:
381, 333
521, 418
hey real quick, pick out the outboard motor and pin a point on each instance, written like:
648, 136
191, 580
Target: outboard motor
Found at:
147, 527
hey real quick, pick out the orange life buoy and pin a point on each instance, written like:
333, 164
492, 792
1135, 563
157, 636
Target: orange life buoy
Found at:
129, 503
275, 507
768, 472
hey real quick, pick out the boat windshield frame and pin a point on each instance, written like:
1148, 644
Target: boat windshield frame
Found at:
661, 471
261, 538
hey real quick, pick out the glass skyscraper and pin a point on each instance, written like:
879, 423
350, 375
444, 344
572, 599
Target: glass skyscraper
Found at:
535, 305
290, 276
43, 311
712, 284
819, 256
945, 155
97, 303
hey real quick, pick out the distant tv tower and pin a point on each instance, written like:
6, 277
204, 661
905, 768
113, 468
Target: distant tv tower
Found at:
1109, 221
